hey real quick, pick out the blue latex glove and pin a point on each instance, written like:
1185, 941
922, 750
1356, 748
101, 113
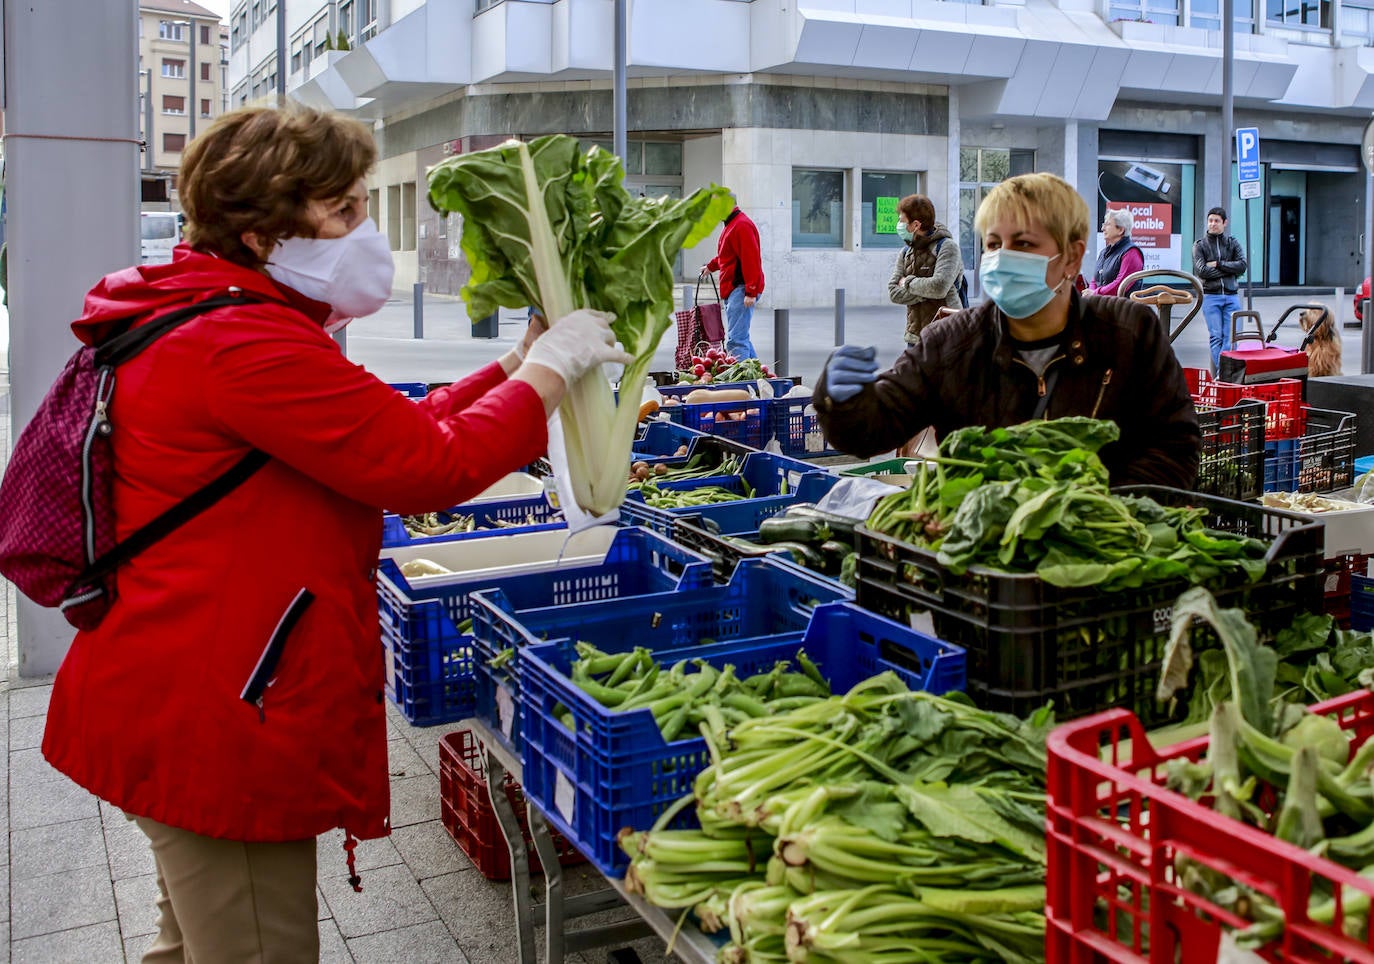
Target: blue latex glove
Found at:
849, 369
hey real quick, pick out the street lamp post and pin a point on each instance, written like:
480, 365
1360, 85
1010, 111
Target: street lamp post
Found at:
194, 105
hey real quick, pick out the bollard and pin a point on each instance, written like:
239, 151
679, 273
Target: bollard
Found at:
1367, 349
839, 317
689, 297
488, 327
1338, 315
341, 339
781, 322
418, 302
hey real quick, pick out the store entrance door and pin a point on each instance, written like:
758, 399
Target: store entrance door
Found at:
1285, 232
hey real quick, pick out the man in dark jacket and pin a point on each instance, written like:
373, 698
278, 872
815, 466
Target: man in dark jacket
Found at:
1218, 260
1114, 363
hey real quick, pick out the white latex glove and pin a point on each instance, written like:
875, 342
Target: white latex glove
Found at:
576, 344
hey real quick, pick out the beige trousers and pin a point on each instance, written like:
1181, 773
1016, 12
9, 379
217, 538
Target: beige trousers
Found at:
232, 902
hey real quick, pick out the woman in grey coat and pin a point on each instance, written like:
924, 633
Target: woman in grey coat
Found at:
925, 277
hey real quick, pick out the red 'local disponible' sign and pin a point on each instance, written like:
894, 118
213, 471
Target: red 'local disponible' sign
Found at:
1151, 224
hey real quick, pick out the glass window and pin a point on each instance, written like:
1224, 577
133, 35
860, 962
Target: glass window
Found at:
634, 155
1148, 11
663, 159
173, 143
817, 208
204, 71
158, 228
295, 55
205, 107
980, 170
170, 30
346, 18
173, 105
173, 68
878, 196
204, 35
1299, 13
1357, 21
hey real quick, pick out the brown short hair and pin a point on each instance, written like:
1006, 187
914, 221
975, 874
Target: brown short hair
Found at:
255, 169
917, 207
1042, 197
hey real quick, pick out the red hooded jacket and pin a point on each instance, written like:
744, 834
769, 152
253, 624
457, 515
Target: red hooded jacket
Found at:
738, 258
151, 711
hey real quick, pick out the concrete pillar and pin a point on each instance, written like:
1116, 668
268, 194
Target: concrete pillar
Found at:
950, 209
80, 86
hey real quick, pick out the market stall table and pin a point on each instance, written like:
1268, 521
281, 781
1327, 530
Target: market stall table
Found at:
689, 944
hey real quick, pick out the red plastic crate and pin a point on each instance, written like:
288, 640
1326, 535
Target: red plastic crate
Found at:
1338, 572
1284, 416
465, 805
1114, 832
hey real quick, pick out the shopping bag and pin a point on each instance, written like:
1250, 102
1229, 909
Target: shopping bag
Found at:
699, 327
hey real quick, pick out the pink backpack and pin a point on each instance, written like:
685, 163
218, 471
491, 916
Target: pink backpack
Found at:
58, 544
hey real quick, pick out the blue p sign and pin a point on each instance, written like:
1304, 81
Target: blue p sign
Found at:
1248, 153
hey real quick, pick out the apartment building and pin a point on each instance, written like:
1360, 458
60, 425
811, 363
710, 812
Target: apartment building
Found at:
179, 83
820, 113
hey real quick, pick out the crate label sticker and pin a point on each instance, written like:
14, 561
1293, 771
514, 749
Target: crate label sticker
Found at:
1164, 619
1333, 583
923, 622
505, 710
563, 797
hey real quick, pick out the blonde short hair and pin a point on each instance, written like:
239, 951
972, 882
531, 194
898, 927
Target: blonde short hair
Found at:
255, 169
1044, 198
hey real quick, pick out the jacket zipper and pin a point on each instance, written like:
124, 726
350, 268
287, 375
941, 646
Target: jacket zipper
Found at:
266, 667
1106, 380
1040, 387
100, 425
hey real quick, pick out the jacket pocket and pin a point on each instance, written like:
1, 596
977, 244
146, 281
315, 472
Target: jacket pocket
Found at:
266, 667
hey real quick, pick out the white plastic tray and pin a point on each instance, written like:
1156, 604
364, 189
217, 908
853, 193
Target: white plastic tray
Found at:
498, 556
512, 486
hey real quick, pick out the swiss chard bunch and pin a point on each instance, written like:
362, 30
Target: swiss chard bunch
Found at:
548, 225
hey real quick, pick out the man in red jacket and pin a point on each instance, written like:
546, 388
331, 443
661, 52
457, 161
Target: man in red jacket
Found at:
740, 264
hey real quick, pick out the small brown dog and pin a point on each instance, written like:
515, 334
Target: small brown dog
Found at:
1324, 352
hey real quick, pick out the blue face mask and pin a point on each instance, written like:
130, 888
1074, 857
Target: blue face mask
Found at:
904, 232
1015, 281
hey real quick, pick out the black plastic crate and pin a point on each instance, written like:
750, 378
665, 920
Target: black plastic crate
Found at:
1085, 650
1326, 452
1232, 463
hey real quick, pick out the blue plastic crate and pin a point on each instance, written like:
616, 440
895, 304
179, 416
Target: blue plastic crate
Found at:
664, 437
411, 389
766, 475
431, 666
1361, 603
740, 518
1281, 465
530, 513
1363, 464
747, 422
797, 430
780, 386
617, 771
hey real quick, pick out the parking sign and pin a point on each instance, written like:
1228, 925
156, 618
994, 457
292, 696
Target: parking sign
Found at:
1247, 153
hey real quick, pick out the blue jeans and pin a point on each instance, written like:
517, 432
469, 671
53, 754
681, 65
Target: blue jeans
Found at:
1217, 310
737, 319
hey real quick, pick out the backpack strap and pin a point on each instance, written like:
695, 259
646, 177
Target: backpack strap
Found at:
178, 515
129, 343
121, 348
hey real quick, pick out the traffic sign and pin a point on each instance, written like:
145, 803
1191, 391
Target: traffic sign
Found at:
1249, 189
1248, 153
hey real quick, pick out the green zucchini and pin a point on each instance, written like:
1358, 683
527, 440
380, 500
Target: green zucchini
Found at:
808, 556
842, 527
790, 529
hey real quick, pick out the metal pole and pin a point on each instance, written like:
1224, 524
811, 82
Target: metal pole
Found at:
1249, 270
148, 123
193, 106
618, 90
281, 53
1367, 328
1228, 126
839, 316
418, 303
781, 323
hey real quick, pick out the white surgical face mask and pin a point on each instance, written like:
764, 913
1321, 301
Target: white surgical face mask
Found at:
351, 274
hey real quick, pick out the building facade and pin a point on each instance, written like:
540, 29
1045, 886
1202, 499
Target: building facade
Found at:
180, 82
820, 113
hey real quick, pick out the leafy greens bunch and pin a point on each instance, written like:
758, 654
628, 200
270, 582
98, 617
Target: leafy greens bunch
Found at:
1035, 498
882, 825
1323, 799
548, 225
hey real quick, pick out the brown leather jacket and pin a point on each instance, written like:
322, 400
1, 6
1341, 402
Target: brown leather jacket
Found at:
1116, 363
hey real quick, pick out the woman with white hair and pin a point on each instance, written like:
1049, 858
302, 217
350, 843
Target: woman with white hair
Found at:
1119, 259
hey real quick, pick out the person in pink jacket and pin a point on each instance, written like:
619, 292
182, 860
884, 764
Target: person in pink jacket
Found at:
1119, 259
231, 701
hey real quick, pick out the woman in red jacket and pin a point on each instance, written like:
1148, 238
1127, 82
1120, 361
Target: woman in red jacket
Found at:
231, 701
